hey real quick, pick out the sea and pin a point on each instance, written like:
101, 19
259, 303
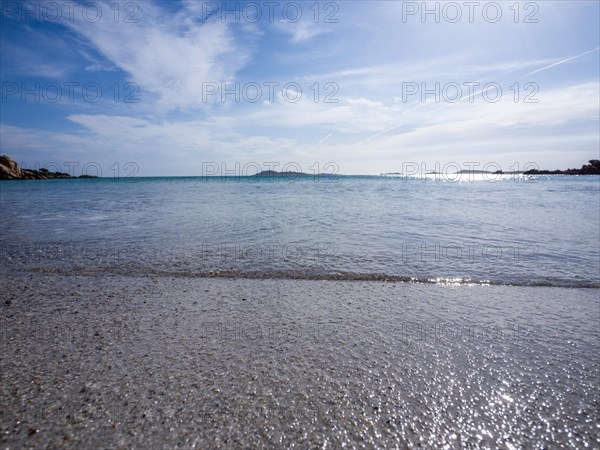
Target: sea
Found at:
467, 229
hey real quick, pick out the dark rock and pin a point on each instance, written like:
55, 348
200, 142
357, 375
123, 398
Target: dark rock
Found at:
10, 170
593, 168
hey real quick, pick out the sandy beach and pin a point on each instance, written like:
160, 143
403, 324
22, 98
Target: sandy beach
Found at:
299, 225
103, 361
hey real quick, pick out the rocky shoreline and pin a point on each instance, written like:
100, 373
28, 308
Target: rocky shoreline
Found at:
10, 170
593, 168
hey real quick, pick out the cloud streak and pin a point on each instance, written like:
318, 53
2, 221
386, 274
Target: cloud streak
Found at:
168, 55
562, 61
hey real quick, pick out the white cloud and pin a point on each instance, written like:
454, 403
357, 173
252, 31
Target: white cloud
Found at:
168, 55
303, 30
499, 132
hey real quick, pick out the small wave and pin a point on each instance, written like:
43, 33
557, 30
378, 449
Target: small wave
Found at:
314, 276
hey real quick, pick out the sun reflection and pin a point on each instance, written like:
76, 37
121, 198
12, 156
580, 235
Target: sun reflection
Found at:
457, 281
465, 177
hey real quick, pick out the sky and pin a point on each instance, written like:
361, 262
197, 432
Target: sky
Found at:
183, 88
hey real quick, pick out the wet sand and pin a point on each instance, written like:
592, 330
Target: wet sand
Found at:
101, 361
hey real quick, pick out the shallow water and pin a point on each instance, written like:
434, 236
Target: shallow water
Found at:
525, 230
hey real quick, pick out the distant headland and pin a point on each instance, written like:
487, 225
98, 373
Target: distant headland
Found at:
10, 170
593, 168
274, 173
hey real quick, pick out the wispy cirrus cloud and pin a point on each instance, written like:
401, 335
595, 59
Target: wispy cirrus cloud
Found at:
169, 55
562, 61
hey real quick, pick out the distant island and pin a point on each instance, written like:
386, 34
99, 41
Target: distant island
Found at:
10, 170
274, 173
593, 168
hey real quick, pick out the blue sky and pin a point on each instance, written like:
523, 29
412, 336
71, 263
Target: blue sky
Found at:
161, 67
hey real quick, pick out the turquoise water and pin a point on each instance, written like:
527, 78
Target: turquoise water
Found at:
533, 230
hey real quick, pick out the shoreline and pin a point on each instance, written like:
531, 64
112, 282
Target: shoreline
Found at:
10, 171
291, 275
